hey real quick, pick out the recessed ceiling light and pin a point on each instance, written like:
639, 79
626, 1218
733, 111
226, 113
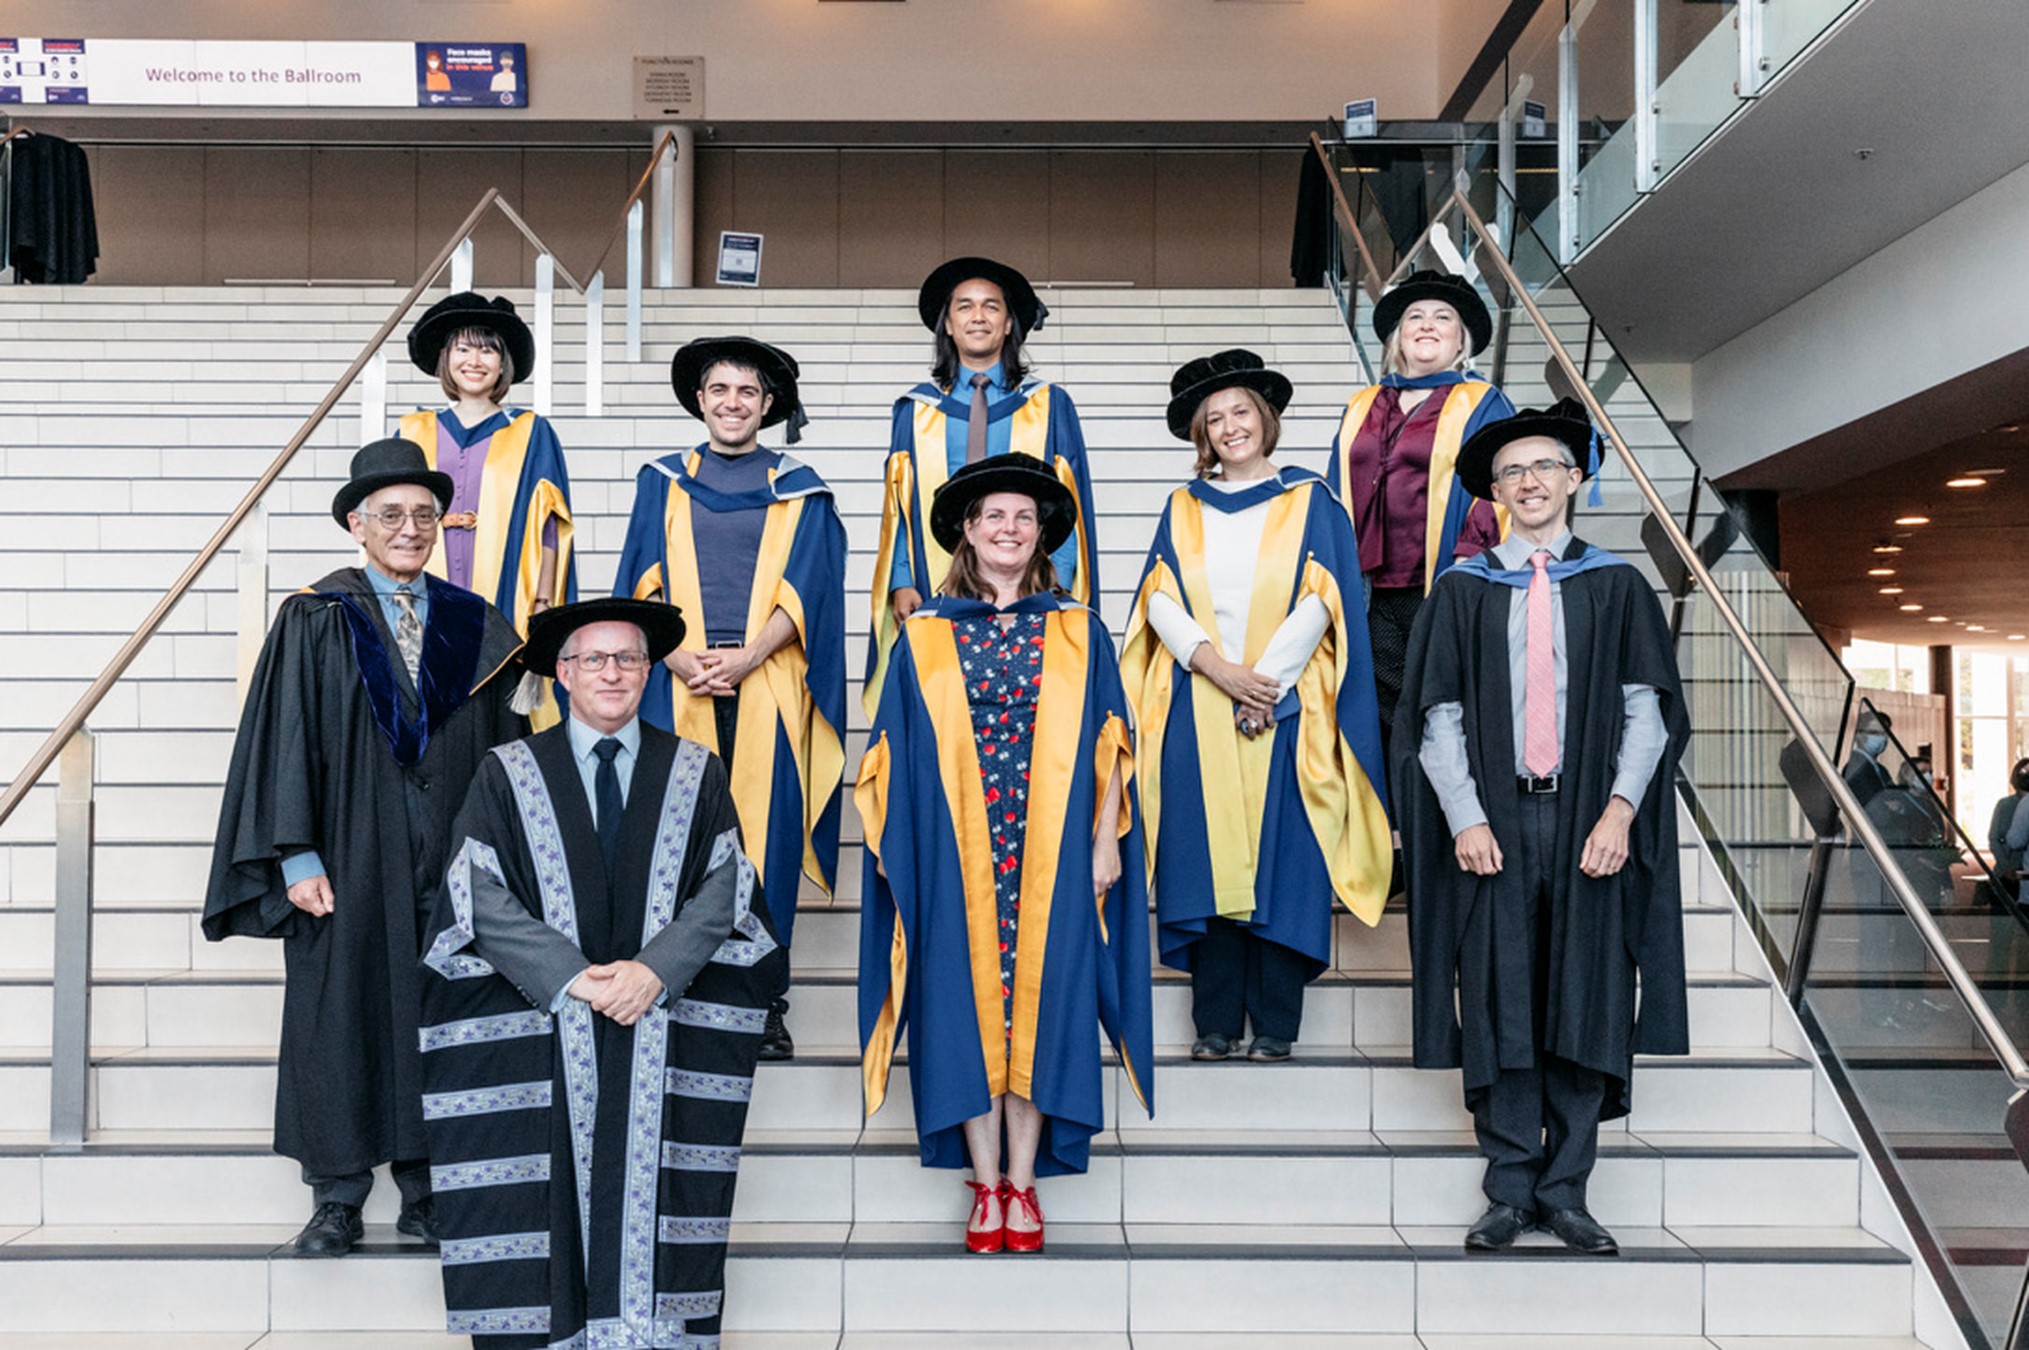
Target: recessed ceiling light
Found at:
1967, 482
1939, 618
1910, 609
2017, 637
1975, 628
1888, 548
1891, 590
1912, 520
1880, 571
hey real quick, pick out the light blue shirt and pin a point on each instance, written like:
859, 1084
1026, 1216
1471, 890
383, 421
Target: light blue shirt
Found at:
1442, 754
584, 740
999, 440
302, 866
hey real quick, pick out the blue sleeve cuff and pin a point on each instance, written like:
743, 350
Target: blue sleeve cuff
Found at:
301, 867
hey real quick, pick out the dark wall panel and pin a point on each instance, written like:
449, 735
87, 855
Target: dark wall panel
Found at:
791, 197
997, 205
362, 214
1102, 216
149, 201
890, 216
1207, 218
711, 210
572, 199
448, 184
256, 213
1278, 213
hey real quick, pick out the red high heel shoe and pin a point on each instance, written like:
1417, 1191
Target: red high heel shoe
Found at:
985, 1239
1015, 1239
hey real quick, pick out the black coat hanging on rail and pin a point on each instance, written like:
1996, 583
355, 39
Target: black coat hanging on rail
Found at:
53, 234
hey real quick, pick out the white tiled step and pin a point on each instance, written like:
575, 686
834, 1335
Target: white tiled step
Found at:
1277, 1177
1096, 1278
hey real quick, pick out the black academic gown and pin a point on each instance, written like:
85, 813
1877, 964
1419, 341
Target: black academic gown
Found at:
593, 1196
333, 755
1601, 931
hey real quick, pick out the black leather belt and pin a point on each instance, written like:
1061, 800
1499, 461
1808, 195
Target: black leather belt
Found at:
725, 643
1537, 787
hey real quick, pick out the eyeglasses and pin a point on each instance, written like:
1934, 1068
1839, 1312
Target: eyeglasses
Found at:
596, 661
1542, 469
391, 517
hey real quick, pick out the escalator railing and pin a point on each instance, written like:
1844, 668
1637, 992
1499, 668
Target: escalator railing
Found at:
1911, 1002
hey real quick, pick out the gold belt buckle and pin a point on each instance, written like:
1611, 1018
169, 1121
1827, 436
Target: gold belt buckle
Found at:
460, 520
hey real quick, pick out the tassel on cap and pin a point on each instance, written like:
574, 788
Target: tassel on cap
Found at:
797, 421
1597, 457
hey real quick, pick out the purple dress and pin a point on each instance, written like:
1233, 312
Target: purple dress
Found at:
1003, 676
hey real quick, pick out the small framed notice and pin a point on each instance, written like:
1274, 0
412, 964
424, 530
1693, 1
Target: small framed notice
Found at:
1532, 119
739, 259
669, 88
1361, 119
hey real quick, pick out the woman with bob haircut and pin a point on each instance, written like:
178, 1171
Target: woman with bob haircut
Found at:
1391, 462
1260, 752
998, 798
507, 534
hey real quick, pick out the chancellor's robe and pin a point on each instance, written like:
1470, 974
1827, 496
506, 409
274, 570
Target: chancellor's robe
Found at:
584, 1171
336, 753
1264, 831
790, 764
1044, 426
1603, 932
929, 959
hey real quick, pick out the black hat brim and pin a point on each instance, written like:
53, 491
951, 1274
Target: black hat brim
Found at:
359, 489
1022, 301
779, 373
1056, 508
661, 624
443, 320
1453, 291
1474, 467
1272, 385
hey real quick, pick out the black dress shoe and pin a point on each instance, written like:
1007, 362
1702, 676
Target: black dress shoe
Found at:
1268, 1050
1581, 1232
332, 1231
1213, 1046
419, 1220
1498, 1228
775, 1041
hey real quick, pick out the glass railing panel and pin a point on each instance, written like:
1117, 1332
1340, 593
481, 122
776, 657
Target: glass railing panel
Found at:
1789, 26
1604, 48
1697, 74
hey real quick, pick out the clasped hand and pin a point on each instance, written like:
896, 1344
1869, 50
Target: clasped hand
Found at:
1254, 695
622, 990
712, 673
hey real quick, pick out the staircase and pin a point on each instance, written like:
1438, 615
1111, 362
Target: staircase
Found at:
1312, 1204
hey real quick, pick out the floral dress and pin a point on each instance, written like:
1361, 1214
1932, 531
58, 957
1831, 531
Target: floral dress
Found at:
1003, 671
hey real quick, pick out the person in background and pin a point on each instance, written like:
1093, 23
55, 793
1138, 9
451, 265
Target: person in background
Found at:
1864, 772
1260, 754
2008, 829
507, 534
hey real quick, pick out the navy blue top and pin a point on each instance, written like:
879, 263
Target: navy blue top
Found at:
728, 543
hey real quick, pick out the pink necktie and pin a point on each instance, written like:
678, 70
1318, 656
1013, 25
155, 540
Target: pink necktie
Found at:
1539, 693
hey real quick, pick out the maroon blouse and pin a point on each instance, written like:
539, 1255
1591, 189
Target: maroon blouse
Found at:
1387, 479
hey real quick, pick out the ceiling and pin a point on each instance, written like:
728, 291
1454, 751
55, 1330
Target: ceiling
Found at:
1780, 202
1970, 564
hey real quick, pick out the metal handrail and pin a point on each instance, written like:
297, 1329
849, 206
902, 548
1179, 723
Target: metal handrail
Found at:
73, 721
667, 142
1370, 274
1855, 816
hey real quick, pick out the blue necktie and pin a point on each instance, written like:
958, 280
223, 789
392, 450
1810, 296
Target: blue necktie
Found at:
606, 801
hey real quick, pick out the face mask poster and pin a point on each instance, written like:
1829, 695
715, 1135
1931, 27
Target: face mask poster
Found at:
170, 72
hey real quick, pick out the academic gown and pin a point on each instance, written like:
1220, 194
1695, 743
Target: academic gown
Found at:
1602, 932
1043, 425
790, 763
1267, 830
584, 1171
929, 960
334, 754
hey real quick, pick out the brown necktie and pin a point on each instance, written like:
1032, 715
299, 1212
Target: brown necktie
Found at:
975, 424
409, 632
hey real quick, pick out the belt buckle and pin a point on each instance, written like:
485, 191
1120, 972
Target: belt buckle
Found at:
1538, 786
725, 644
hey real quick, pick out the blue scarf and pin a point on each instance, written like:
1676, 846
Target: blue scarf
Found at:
1481, 565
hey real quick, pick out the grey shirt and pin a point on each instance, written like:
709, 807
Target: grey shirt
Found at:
1442, 753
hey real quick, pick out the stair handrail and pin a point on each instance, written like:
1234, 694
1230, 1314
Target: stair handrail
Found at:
667, 142
73, 721
1940, 950
1370, 275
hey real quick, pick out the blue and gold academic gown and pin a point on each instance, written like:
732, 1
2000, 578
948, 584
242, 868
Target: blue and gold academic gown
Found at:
1042, 423
790, 760
1469, 404
1262, 831
929, 942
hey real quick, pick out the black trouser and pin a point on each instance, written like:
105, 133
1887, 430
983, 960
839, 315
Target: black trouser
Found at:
412, 1179
1538, 1127
726, 715
1236, 972
1391, 611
